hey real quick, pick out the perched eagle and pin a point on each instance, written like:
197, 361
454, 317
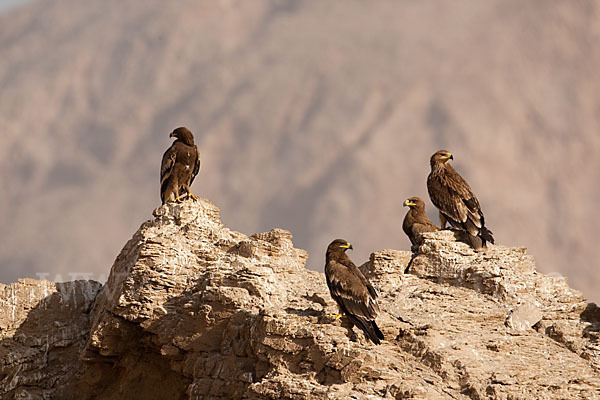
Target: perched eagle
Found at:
416, 221
180, 165
454, 198
352, 292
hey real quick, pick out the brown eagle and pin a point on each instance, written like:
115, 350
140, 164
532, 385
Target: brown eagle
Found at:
180, 165
352, 292
454, 198
416, 221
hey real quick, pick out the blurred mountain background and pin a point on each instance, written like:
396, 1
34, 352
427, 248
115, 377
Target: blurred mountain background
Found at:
316, 117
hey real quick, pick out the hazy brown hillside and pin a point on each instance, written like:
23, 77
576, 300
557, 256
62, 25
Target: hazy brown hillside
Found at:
318, 117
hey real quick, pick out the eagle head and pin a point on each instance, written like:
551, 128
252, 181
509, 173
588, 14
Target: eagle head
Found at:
338, 245
184, 134
441, 157
413, 202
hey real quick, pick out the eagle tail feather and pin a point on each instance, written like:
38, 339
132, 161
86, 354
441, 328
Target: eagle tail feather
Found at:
163, 189
368, 329
377, 330
486, 235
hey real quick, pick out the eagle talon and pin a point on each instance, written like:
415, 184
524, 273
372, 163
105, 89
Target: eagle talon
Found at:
192, 196
336, 316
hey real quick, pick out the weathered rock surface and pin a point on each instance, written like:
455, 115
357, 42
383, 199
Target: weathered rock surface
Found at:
193, 310
43, 327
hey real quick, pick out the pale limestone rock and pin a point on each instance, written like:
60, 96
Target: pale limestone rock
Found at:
523, 317
193, 310
43, 326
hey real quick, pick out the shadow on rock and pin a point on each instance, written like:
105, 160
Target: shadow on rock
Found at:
43, 329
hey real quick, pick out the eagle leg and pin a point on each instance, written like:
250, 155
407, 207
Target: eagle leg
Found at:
336, 316
173, 198
476, 243
188, 191
443, 221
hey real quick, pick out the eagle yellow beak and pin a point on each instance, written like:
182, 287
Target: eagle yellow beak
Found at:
171, 134
408, 203
449, 156
346, 246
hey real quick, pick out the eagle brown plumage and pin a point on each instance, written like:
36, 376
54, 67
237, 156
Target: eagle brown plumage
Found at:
453, 196
416, 221
180, 165
354, 295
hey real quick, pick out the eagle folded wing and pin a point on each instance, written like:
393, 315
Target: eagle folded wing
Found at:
349, 290
167, 163
196, 165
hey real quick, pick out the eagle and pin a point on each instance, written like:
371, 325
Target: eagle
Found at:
416, 221
453, 196
180, 165
354, 295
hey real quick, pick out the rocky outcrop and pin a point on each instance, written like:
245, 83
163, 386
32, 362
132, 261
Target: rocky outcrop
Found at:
193, 310
43, 326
